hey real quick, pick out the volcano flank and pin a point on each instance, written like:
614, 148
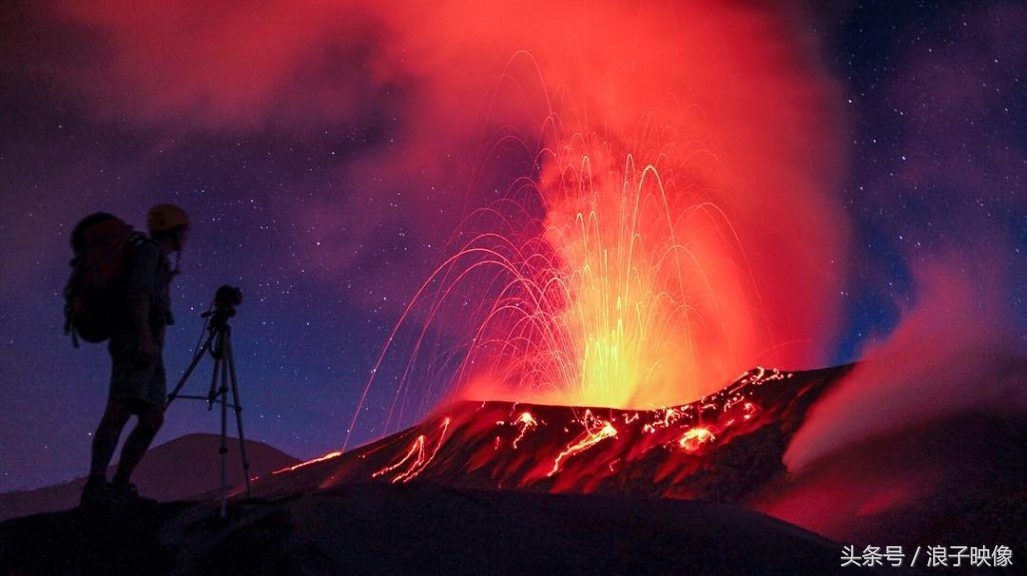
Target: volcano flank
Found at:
928, 480
720, 447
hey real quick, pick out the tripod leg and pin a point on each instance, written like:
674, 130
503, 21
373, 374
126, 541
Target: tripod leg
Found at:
238, 415
218, 352
222, 393
192, 366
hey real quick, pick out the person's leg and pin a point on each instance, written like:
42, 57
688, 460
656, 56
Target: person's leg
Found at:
105, 440
149, 422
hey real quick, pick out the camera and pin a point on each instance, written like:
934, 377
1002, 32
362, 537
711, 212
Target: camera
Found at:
225, 300
227, 297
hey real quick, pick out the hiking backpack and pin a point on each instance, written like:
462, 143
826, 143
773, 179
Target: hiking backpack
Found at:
94, 296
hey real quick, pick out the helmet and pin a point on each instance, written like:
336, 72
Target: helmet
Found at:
166, 217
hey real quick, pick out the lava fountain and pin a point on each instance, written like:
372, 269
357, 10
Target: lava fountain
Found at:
630, 292
663, 226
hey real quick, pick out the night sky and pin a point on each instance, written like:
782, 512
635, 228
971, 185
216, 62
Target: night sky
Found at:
326, 153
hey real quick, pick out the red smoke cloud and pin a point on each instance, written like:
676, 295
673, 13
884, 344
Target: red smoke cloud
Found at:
926, 421
956, 348
951, 354
728, 102
189, 65
927, 417
737, 121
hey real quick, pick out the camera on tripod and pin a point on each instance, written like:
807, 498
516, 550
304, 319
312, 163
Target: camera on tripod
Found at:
223, 382
227, 297
225, 300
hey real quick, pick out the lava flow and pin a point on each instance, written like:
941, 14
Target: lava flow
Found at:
724, 446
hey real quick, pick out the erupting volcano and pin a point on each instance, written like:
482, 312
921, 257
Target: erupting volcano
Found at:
680, 451
657, 222
551, 287
623, 298
654, 222
634, 295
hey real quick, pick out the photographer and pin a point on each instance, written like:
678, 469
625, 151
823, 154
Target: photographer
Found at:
138, 382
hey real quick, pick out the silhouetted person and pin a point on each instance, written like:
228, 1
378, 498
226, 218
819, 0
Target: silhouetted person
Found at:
138, 384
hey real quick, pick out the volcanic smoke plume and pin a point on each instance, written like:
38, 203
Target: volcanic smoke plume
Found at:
649, 185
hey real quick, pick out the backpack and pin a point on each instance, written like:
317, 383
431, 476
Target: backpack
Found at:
94, 296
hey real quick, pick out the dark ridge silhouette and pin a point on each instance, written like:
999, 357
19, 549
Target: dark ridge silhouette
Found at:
377, 528
183, 468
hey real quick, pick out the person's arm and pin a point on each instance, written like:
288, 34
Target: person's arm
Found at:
140, 290
146, 346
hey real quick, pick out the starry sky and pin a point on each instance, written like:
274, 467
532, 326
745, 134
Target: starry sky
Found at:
326, 152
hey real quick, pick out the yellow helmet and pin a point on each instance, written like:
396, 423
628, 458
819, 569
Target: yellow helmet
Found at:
165, 217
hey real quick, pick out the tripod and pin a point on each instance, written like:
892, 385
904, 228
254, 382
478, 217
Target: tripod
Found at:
219, 344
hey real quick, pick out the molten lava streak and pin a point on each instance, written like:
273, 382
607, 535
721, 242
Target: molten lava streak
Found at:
324, 458
576, 450
526, 422
416, 459
596, 430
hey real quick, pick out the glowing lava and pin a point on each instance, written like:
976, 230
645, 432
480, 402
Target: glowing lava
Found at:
572, 449
625, 295
725, 446
324, 458
417, 458
595, 431
694, 438
527, 423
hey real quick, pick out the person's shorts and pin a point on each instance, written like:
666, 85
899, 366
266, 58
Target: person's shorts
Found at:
133, 381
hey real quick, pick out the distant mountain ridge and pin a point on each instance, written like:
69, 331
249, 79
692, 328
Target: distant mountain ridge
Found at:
183, 468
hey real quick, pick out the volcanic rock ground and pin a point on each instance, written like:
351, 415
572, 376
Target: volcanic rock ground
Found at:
377, 528
481, 488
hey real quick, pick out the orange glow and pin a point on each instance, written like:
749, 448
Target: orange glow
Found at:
667, 417
630, 297
328, 456
526, 422
565, 449
596, 430
643, 261
695, 438
645, 222
416, 459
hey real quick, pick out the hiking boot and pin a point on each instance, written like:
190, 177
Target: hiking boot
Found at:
95, 492
126, 493
103, 493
